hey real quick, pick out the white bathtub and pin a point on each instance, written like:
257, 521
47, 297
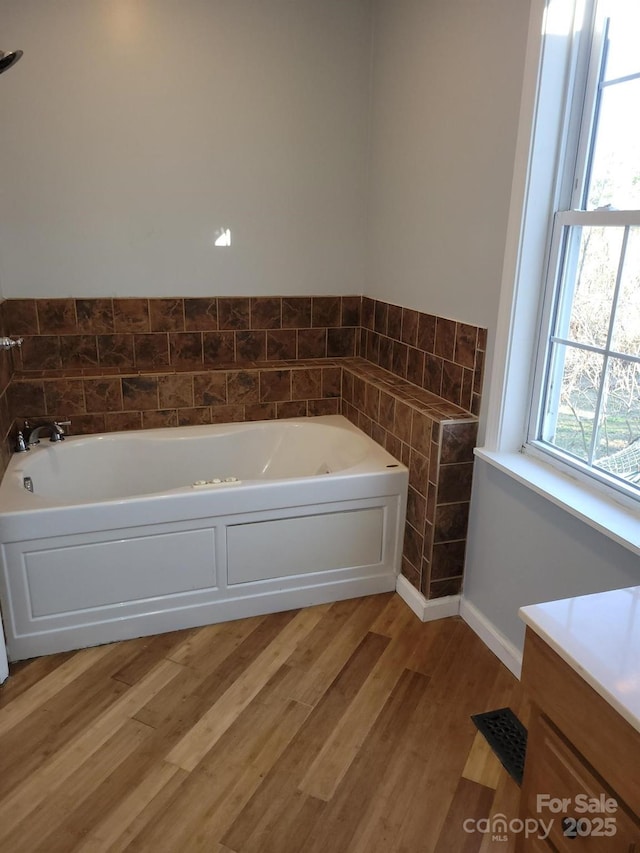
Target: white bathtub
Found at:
135, 533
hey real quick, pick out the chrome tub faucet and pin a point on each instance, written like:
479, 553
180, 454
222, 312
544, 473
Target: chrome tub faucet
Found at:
28, 436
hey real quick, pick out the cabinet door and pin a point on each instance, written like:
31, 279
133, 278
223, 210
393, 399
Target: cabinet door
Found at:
559, 788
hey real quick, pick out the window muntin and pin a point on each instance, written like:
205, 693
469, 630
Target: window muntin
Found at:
586, 407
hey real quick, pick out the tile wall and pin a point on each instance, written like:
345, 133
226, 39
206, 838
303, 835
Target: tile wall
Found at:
410, 380
435, 439
152, 334
6, 418
180, 397
437, 354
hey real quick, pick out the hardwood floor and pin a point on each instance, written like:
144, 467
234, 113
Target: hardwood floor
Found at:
342, 727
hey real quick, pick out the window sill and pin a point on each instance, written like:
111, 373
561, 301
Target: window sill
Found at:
618, 523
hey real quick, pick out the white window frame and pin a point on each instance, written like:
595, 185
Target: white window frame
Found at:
565, 220
573, 188
546, 134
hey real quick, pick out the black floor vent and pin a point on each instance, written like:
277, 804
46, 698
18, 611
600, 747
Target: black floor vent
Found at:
507, 737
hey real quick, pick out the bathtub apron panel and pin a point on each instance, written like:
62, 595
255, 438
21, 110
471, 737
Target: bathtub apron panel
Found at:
84, 574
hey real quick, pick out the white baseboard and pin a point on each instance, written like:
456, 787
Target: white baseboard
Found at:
426, 610
452, 605
503, 649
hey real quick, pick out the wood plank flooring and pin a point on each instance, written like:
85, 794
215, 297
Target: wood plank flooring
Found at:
341, 728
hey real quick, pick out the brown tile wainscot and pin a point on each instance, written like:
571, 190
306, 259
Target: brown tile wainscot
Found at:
410, 380
435, 440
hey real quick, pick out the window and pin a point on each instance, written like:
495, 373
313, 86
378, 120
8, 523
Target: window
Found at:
586, 405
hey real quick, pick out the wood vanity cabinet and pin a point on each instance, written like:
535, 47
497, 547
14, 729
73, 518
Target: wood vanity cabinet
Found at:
578, 746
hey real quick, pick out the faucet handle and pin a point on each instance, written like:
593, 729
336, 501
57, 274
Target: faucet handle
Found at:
9, 343
21, 445
57, 433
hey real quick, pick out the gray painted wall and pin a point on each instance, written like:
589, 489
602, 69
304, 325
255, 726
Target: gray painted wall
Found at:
522, 550
133, 131
446, 87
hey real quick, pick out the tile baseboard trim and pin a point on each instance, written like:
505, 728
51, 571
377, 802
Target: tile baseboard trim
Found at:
495, 640
425, 610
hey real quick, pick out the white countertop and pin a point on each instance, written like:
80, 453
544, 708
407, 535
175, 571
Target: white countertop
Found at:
599, 637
